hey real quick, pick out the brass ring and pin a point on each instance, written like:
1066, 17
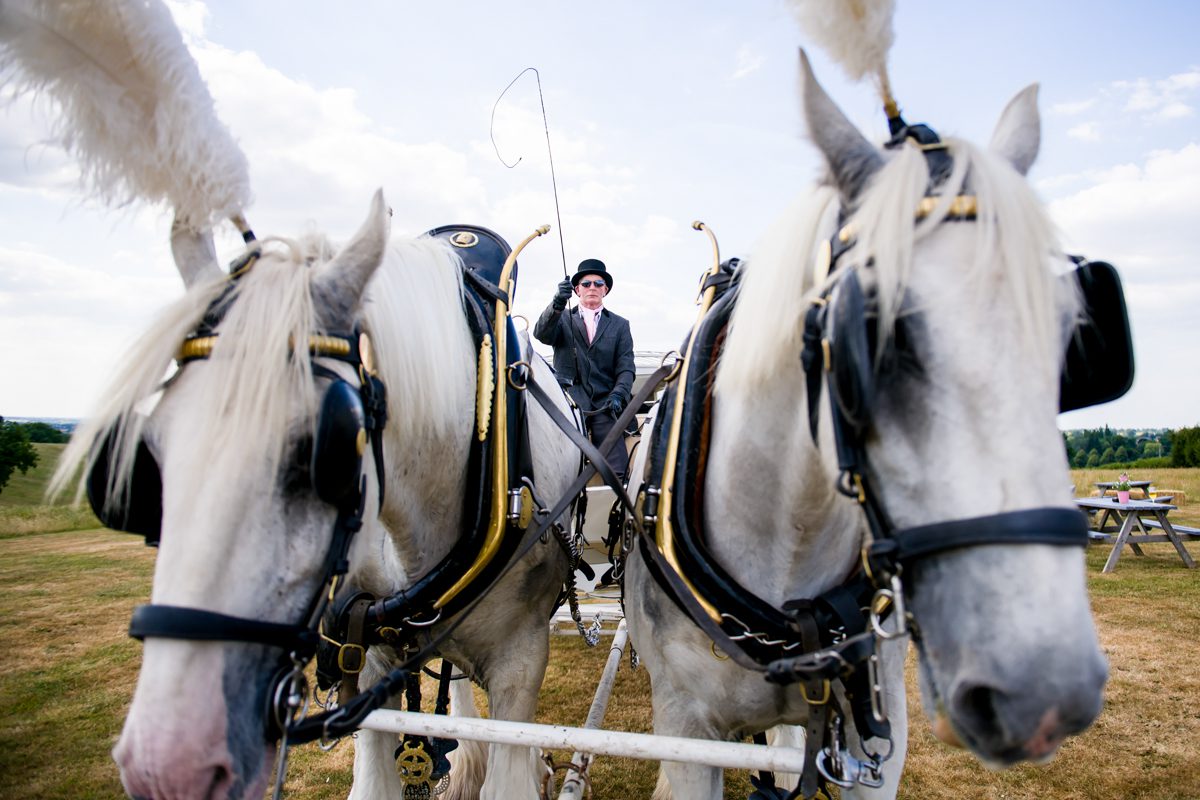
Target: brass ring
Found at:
519, 387
674, 373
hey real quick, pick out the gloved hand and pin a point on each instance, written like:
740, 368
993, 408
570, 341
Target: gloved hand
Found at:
563, 293
614, 405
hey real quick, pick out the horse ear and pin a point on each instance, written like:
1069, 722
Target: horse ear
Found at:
851, 158
341, 281
1018, 134
195, 255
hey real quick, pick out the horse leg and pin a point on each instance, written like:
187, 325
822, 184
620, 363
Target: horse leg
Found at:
678, 780
513, 680
375, 772
468, 761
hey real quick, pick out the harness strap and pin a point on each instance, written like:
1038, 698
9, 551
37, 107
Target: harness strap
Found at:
1054, 526
484, 286
199, 625
352, 656
346, 719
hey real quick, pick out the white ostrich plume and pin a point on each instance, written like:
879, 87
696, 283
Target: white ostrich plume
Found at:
857, 34
135, 112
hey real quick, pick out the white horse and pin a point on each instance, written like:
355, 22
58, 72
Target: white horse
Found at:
244, 534
973, 324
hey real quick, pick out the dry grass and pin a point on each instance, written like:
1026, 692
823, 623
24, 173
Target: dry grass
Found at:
67, 673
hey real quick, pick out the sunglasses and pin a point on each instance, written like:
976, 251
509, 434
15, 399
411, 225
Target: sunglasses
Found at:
587, 284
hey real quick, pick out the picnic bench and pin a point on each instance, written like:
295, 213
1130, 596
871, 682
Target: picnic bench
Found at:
1127, 524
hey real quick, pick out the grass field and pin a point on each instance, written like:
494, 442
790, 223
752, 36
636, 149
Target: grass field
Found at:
67, 672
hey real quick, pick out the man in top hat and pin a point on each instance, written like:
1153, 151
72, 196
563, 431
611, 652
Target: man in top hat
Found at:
593, 353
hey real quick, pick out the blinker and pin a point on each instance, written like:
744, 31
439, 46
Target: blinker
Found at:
1098, 366
336, 466
140, 510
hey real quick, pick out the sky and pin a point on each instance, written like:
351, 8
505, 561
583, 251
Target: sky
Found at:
658, 113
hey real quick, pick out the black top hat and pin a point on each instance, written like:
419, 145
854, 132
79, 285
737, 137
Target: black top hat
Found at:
592, 266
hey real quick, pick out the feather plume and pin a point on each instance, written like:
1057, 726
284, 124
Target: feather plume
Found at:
857, 34
136, 114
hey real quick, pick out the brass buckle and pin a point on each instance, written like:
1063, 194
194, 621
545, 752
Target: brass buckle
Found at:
824, 696
355, 653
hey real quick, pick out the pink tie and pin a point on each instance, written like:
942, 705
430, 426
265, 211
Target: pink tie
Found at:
589, 323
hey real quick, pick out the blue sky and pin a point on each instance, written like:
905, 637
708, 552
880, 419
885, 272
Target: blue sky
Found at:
659, 114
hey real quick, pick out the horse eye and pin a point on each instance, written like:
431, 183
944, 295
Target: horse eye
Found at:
902, 351
297, 478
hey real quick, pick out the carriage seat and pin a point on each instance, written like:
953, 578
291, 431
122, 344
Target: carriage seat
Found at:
483, 252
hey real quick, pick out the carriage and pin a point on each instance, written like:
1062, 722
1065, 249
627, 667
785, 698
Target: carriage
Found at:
357, 454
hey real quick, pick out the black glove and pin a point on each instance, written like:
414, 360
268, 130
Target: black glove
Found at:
564, 292
614, 405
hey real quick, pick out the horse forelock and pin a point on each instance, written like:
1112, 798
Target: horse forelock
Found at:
1014, 239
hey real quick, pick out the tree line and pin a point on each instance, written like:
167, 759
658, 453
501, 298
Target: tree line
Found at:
1092, 448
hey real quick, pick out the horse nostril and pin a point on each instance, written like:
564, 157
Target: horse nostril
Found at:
221, 784
981, 713
978, 708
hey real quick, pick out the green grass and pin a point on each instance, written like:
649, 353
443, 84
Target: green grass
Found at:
23, 508
28, 489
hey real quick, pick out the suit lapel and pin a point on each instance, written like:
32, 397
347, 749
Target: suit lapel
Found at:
577, 325
601, 324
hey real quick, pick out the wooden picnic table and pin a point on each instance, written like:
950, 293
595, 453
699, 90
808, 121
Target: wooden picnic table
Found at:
1107, 486
1113, 521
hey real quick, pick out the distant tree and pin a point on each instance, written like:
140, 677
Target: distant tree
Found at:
1108, 456
15, 451
1186, 448
1151, 450
1079, 460
1122, 454
40, 432
1093, 459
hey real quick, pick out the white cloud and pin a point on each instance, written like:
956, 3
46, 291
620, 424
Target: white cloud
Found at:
748, 61
1085, 132
1141, 217
1175, 110
1141, 213
1163, 99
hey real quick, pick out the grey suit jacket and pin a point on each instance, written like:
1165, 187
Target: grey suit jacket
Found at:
606, 364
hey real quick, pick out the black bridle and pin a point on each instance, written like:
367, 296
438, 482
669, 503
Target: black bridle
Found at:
838, 351
347, 493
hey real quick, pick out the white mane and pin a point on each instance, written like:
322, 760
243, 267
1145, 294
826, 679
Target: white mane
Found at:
254, 390
414, 315
1013, 238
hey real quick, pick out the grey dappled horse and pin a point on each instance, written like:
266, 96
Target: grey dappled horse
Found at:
244, 533
973, 323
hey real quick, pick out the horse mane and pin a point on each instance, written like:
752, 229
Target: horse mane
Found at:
1011, 226
255, 392
413, 312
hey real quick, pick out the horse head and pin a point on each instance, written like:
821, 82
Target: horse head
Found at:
949, 316
258, 447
